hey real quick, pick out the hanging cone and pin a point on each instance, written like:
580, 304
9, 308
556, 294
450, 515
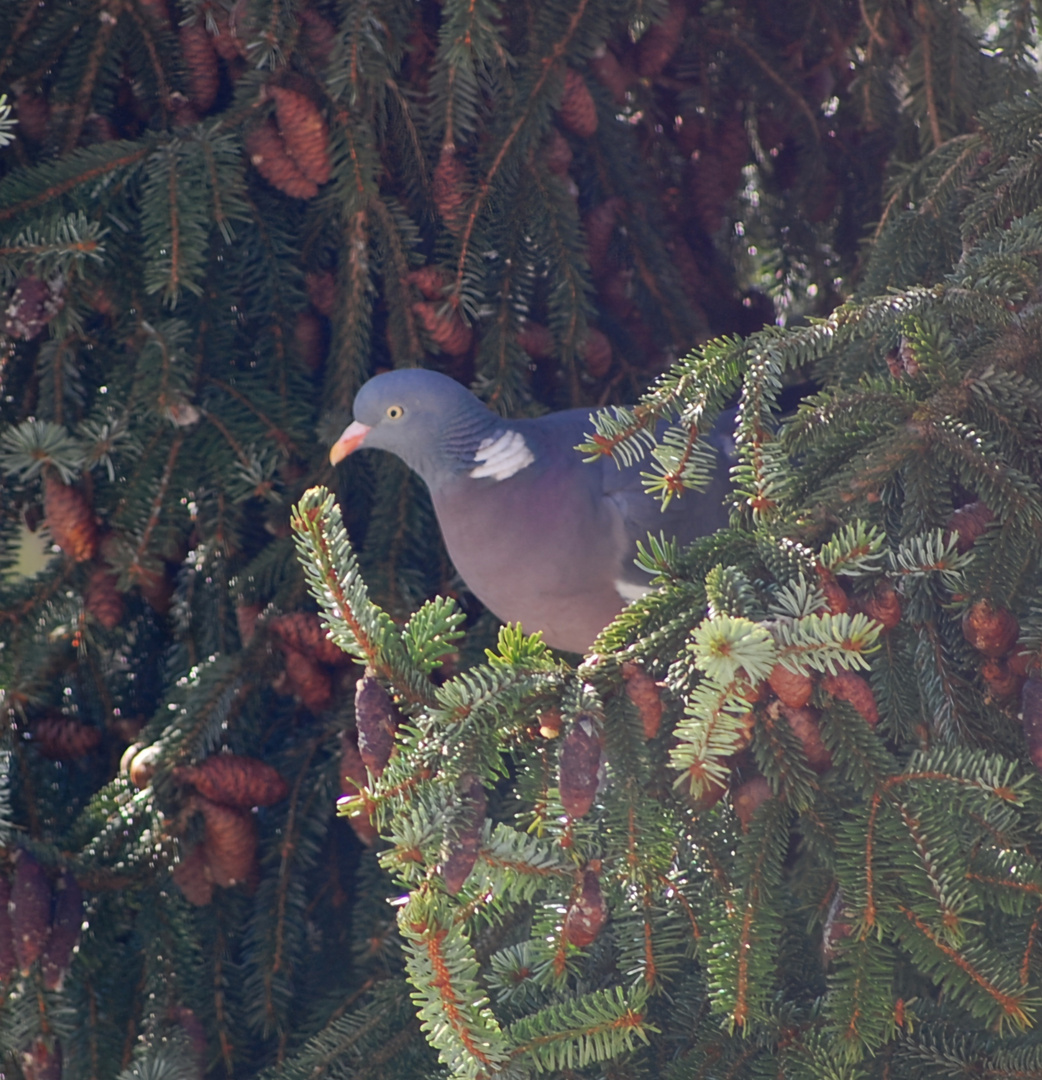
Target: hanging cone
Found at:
587, 913
377, 719
430, 281
246, 616
558, 154
307, 680
793, 688
1003, 682
309, 340
352, 779
321, 290
599, 225
803, 722
444, 327
63, 738
450, 189
644, 692
303, 631
596, 353
230, 843
660, 42
304, 132
269, 157
853, 689
747, 798
883, 604
30, 909
201, 62
65, 932
234, 780
612, 75
990, 629
32, 305
69, 518
192, 877
537, 341
102, 600
579, 768
317, 36
578, 112
34, 116
968, 522
229, 42
465, 842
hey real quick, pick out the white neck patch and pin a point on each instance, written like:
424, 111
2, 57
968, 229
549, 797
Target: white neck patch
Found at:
502, 456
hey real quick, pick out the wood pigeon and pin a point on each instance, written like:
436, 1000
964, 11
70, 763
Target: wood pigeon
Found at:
538, 535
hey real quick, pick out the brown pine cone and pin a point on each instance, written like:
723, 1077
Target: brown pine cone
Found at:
852, 688
34, 116
303, 631
803, 721
191, 875
444, 327
596, 353
102, 600
883, 604
989, 629
246, 616
612, 75
968, 522
63, 738
748, 797
30, 910
793, 688
450, 189
321, 290
465, 842
430, 281
270, 158
558, 154
537, 341
234, 780
304, 132
309, 340
1003, 682
317, 36
377, 719
353, 778
307, 680
69, 518
33, 304
230, 843
587, 913
660, 42
579, 768
599, 225
836, 599
578, 112
644, 692
201, 61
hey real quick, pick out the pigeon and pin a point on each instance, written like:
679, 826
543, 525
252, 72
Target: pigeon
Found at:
540, 536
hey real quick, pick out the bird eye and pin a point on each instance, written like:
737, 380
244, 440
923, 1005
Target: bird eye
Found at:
394, 412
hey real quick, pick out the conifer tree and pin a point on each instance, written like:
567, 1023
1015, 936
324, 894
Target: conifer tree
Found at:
784, 819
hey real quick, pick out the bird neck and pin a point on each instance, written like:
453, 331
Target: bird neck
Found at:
463, 435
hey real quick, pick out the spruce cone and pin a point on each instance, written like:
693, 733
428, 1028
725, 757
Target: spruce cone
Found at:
793, 688
69, 518
578, 112
377, 720
32, 305
643, 691
883, 604
450, 189
192, 877
303, 631
596, 353
599, 225
989, 629
587, 913
8, 960
579, 767
34, 116
201, 61
65, 932
317, 36
445, 328
968, 522
230, 843
537, 341
612, 75
657, 46
307, 680
270, 158
465, 842
1003, 682
852, 688
321, 290
430, 281
836, 599
246, 616
309, 340
352, 779
558, 154
63, 738
102, 600
747, 798
233, 780
804, 724
304, 132
30, 909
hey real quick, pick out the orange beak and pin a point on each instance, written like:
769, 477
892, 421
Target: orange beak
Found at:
353, 437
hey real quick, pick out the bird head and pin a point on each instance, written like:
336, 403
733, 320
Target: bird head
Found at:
427, 419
